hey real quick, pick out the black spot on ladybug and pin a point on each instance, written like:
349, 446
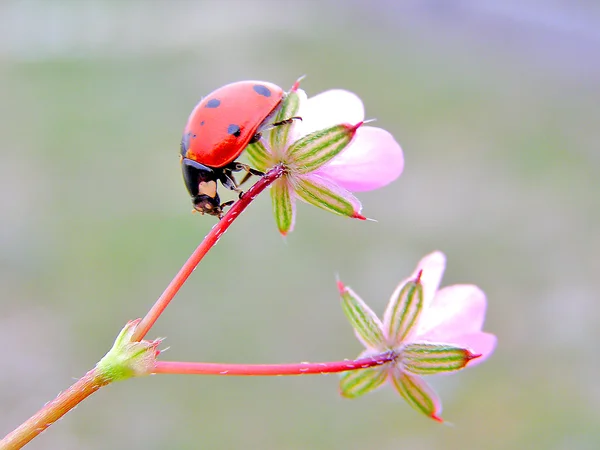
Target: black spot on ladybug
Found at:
213, 103
234, 130
201, 124
262, 90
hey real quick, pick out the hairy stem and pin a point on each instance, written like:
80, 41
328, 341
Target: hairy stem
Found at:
54, 410
192, 368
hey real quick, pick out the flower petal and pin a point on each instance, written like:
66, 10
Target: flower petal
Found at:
455, 310
417, 393
372, 160
431, 269
327, 195
284, 206
355, 383
327, 109
403, 311
366, 324
429, 359
259, 156
480, 343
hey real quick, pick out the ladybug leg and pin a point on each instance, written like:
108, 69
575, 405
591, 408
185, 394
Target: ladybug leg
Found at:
246, 178
270, 126
283, 122
238, 167
224, 205
249, 172
228, 180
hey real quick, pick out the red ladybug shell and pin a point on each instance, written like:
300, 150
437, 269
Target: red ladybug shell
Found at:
221, 126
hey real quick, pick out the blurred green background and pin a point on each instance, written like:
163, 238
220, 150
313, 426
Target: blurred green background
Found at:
496, 104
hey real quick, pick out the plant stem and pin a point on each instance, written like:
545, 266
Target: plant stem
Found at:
209, 241
54, 410
92, 381
193, 368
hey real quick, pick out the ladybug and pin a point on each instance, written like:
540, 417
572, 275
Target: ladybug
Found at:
218, 130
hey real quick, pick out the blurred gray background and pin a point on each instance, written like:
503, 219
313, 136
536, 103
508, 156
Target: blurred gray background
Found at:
496, 104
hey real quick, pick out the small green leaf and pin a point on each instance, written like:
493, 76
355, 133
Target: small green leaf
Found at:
326, 195
289, 108
403, 311
283, 206
429, 359
358, 382
259, 156
417, 393
315, 149
366, 324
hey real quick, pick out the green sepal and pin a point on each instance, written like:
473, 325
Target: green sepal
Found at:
417, 393
403, 311
289, 108
259, 156
366, 324
318, 148
283, 206
325, 195
429, 359
358, 382
126, 358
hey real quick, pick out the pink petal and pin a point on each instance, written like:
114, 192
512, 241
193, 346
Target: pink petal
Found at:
327, 109
432, 269
372, 160
454, 311
479, 343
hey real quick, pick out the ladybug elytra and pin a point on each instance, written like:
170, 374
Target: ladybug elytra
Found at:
218, 130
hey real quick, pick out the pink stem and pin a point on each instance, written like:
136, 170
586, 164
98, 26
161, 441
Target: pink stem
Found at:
209, 241
193, 368
54, 410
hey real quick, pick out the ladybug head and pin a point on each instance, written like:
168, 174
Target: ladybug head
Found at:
206, 204
201, 183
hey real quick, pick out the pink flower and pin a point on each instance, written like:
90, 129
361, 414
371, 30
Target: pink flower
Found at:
327, 154
427, 330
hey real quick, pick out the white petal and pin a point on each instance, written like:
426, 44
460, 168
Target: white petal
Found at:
327, 109
372, 160
455, 310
